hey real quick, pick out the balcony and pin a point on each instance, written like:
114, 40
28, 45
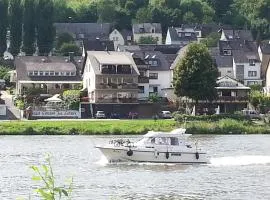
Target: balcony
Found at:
119, 69
232, 99
117, 100
110, 86
143, 79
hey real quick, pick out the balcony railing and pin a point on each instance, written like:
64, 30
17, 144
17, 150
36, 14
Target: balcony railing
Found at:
232, 99
117, 86
143, 79
117, 100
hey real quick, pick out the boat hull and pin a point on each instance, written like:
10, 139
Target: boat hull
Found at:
145, 155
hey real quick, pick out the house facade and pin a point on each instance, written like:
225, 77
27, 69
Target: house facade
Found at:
48, 75
110, 78
147, 30
181, 35
237, 57
121, 38
232, 95
157, 75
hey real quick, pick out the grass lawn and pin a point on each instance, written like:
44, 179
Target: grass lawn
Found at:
121, 127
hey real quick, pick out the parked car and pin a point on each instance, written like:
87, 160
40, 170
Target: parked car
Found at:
100, 114
165, 114
253, 114
133, 115
115, 116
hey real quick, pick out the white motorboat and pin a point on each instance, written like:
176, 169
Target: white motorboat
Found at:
156, 147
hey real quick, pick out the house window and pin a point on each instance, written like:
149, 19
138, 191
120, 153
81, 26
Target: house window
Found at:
67, 73
227, 52
51, 73
41, 73
62, 73
47, 73
155, 89
72, 73
153, 75
229, 71
30, 73
141, 89
35, 73
252, 73
251, 62
56, 73
252, 82
154, 63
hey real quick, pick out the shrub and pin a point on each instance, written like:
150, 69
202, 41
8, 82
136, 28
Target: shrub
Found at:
182, 118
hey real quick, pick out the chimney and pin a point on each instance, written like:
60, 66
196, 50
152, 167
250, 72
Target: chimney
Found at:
71, 56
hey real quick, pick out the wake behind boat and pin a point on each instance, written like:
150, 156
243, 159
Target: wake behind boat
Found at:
156, 147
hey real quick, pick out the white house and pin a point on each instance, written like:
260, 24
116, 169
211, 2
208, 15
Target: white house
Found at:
147, 30
110, 77
120, 38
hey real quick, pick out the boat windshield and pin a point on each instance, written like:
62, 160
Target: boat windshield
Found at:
159, 141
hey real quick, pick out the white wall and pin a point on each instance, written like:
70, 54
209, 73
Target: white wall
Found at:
164, 81
136, 37
247, 68
117, 38
226, 71
89, 78
146, 91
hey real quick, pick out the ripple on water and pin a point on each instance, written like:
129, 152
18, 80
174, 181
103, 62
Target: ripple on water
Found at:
239, 169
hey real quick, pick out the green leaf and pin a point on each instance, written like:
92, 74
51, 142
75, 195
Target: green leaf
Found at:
36, 178
65, 192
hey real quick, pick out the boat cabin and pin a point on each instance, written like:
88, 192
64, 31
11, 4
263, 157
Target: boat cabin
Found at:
173, 138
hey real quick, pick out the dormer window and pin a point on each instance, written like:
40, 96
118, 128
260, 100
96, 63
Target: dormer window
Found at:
251, 62
227, 52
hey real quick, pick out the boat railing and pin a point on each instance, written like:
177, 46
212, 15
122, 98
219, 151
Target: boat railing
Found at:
121, 142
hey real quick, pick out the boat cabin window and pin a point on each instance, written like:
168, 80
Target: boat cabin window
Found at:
174, 141
164, 141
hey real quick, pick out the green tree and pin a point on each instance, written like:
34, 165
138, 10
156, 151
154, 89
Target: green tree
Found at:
3, 25
45, 29
143, 15
106, 11
196, 10
148, 40
29, 27
195, 75
62, 12
257, 13
69, 47
4, 74
63, 38
16, 14
211, 40
72, 98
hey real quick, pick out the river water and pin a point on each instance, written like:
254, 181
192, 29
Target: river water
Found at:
239, 169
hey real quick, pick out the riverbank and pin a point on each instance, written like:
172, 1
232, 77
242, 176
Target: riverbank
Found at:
128, 127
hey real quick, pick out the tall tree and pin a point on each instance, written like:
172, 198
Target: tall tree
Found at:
195, 75
45, 28
29, 27
3, 25
16, 14
106, 11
